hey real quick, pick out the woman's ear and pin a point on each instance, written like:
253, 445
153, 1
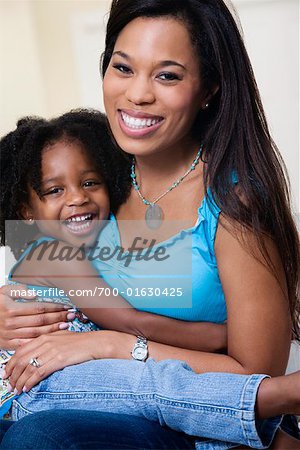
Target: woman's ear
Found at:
208, 98
26, 214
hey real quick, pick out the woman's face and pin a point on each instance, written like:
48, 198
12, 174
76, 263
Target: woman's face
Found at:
152, 87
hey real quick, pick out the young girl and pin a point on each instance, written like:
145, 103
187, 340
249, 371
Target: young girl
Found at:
47, 202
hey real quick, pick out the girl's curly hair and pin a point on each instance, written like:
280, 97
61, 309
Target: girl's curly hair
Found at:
21, 157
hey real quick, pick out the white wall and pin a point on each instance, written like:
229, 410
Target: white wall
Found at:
21, 88
41, 72
271, 31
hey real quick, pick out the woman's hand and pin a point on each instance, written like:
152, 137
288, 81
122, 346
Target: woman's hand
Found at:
20, 322
53, 352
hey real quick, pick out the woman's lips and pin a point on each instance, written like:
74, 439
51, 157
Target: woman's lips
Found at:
138, 124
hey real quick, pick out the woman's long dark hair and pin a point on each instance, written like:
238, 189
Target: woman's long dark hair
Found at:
233, 129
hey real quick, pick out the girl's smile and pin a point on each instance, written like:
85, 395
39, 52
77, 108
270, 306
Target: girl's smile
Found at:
73, 197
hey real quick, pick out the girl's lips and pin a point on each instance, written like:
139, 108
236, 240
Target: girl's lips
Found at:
138, 125
81, 224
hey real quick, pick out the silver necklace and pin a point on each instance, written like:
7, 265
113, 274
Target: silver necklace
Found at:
154, 214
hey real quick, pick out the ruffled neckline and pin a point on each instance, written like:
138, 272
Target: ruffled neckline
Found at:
202, 216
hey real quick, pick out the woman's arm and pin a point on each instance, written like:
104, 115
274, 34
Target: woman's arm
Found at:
113, 312
259, 323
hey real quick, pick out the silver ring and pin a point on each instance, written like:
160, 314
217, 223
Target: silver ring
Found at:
34, 362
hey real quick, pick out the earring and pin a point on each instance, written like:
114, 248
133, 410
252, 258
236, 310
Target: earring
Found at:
30, 221
206, 106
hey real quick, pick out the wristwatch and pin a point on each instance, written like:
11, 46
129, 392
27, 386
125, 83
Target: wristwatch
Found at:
140, 349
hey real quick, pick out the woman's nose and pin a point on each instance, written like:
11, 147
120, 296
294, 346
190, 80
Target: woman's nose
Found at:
140, 91
77, 197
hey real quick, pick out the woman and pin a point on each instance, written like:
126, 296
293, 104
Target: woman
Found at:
166, 99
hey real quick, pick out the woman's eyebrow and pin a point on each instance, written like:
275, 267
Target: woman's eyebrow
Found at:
122, 54
165, 63
169, 62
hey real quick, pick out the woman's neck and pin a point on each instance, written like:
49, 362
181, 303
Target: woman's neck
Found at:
165, 166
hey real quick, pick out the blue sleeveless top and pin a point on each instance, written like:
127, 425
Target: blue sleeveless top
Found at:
185, 286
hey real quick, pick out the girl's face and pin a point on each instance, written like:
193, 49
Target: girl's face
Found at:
74, 197
152, 87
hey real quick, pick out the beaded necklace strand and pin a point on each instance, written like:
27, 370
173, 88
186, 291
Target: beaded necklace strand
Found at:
154, 214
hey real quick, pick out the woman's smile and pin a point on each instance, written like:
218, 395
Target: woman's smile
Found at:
138, 124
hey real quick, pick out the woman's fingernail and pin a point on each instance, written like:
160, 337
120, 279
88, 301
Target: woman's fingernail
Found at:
71, 316
63, 326
9, 388
24, 389
3, 374
16, 392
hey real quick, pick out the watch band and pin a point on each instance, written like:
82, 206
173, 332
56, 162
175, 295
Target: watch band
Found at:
141, 340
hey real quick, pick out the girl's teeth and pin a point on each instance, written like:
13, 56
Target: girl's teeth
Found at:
76, 227
80, 218
133, 122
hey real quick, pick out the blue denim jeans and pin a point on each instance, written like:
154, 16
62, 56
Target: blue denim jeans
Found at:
218, 407
89, 430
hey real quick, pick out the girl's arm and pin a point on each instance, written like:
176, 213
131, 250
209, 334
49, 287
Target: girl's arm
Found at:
113, 312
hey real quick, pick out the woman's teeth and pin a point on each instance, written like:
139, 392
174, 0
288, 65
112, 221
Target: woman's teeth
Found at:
136, 124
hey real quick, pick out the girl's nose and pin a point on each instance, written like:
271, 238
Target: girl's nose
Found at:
140, 91
77, 197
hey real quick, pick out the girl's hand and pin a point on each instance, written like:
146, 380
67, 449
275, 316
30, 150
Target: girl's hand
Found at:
20, 322
53, 352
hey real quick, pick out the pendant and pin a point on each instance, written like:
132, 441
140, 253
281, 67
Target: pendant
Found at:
154, 217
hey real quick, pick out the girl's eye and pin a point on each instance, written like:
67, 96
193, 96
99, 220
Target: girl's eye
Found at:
121, 68
90, 183
168, 76
52, 191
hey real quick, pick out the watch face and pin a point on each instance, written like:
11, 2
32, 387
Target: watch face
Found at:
140, 353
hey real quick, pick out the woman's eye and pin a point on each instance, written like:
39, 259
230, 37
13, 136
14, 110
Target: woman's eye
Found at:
168, 76
121, 68
52, 191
